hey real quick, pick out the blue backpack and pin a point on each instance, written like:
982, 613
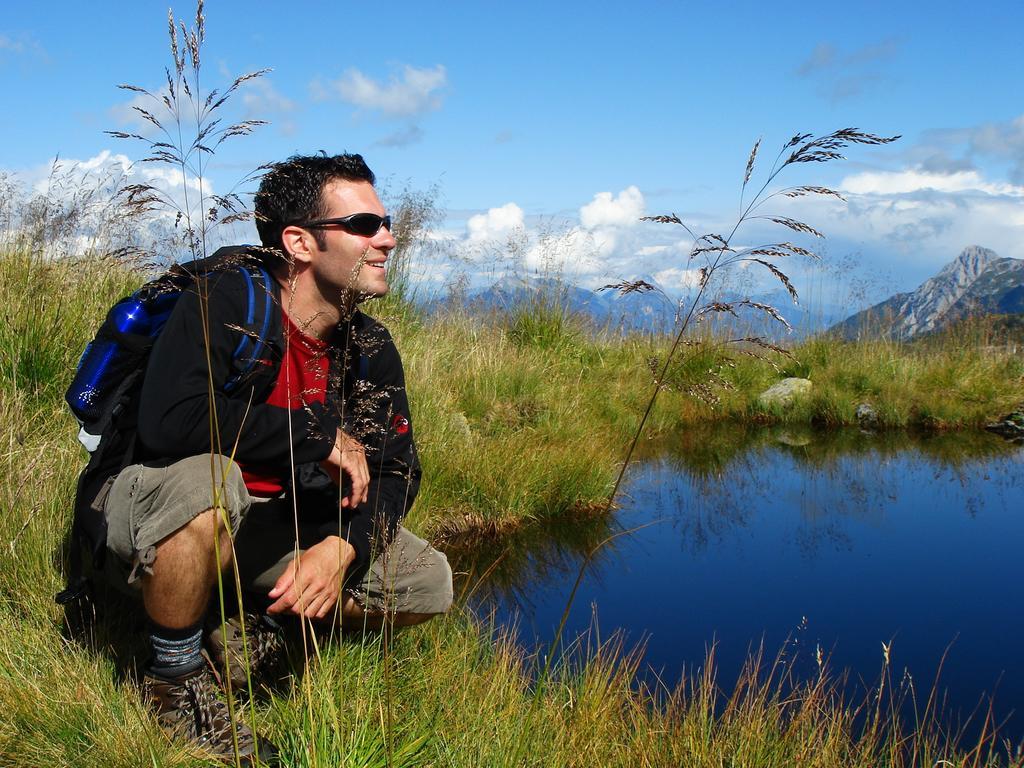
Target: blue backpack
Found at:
103, 394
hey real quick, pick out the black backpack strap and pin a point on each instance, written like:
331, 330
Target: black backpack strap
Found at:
77, 585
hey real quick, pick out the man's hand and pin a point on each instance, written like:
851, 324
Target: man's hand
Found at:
311, 583
349, 456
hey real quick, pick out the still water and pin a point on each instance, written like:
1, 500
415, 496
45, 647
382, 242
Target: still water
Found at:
800, 541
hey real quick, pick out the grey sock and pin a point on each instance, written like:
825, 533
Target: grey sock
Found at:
176, 652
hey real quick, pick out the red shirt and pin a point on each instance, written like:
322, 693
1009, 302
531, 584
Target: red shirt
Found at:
301, 380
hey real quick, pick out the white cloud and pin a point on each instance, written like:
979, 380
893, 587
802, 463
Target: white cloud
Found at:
574, 255
623, 210
496, 224
954, 188
89, 189
105, 159
651, 250
917, 180
260, 98
904, 223
412, 93
63, 177
910, 223
678, 280
172, 179
127, 114
107, 165
609, 243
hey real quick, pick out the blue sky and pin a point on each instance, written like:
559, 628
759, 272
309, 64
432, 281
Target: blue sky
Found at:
574, 119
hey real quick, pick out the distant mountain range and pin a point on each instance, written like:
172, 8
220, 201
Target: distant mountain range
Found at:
651, 310
977, 282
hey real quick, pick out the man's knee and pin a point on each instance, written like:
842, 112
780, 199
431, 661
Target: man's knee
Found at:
437, 586
151, 504
410, 578
425, 590
208, 533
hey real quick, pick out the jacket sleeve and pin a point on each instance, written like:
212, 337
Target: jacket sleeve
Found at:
183, 378
378, 416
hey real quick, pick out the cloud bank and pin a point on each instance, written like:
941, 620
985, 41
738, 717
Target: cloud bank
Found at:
900, 224
411, 92
406, 96
86, 194
495, 224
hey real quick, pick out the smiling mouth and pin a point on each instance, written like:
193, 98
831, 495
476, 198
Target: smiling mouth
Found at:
380, 265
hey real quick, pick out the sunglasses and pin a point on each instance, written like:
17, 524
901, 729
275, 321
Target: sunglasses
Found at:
362, 224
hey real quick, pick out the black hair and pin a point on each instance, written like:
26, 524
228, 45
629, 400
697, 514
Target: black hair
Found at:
291, 192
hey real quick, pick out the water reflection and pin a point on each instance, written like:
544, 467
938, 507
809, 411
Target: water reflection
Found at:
510, 571
840, 541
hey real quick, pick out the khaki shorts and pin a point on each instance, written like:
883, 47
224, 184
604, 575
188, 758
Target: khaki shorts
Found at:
149, 502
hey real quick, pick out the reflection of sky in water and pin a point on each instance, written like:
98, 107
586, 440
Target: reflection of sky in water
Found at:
846, 552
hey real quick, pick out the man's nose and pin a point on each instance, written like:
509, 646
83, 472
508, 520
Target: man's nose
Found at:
384, 240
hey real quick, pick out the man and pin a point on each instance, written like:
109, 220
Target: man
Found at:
325, 407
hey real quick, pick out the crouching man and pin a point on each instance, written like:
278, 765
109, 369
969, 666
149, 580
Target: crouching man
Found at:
249, 476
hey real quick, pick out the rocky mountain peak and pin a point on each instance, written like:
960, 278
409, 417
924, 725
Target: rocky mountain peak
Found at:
977, 280
965, 268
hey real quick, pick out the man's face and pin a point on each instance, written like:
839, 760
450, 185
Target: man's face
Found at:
349, 261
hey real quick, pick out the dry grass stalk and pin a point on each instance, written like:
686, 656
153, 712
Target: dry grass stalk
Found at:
184, 111
719, 254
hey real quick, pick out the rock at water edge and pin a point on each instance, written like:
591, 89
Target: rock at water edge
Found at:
784, 392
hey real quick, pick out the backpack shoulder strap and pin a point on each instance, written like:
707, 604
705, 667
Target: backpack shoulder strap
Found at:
259, 308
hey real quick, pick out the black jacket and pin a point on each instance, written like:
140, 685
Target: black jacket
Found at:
365, 394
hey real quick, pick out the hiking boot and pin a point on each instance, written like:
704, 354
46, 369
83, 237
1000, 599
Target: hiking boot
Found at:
264, 640
188, 710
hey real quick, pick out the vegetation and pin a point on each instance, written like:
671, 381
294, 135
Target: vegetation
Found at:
454, 692
533, 395
557, 415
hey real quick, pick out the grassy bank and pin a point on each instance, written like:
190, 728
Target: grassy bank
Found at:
555, 408
515, 422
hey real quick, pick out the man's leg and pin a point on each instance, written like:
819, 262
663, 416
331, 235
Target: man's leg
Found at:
171, 523
177, 592
408, 584
354, 615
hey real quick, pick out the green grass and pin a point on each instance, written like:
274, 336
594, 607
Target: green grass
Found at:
557, 417
511, 432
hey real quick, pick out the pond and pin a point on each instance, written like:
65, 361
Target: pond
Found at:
802, 541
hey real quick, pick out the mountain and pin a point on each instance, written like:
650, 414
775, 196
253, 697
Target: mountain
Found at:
634, 311
512, 291
644, 311
640, 310
977, 282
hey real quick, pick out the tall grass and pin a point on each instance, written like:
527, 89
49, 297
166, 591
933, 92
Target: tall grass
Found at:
557, 416
521, 423
459, 691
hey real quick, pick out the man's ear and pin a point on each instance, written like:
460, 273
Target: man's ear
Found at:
298, 243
